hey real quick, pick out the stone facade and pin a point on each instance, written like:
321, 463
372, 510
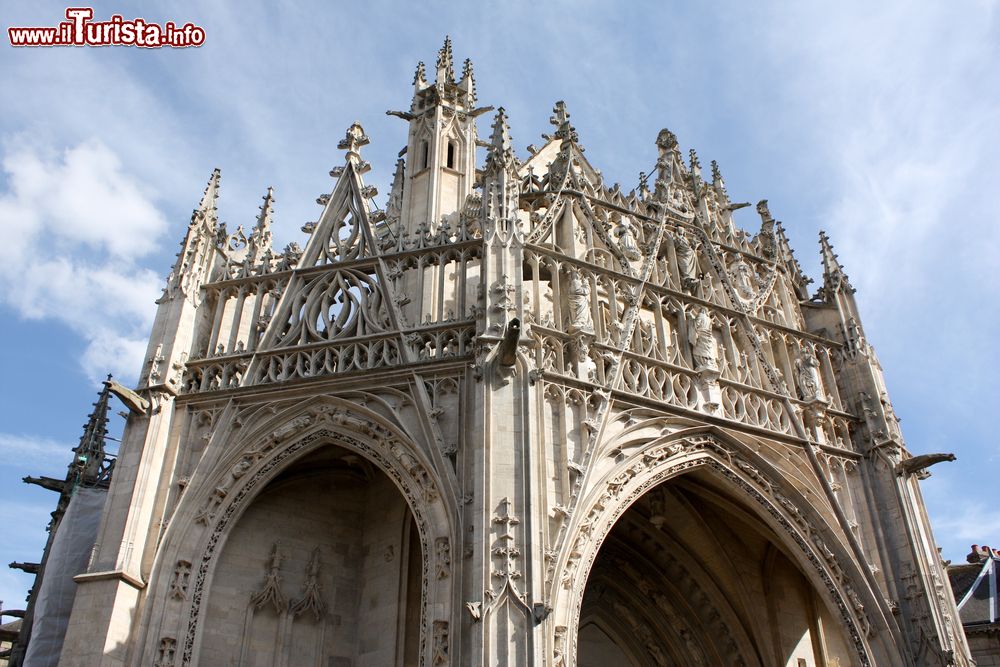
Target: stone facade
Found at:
515, 417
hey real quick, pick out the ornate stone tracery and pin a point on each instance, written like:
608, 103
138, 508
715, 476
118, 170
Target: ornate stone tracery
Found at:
535, 360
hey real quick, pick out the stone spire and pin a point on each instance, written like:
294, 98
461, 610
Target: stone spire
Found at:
695, 164
88, 455
266, 212
394, 207
500, 180
445, 64
206, 210
500, 154
717, 182
800, 282
834, 276
420, 77
194, 260
445, 90
468, 81
259, 242
86, 466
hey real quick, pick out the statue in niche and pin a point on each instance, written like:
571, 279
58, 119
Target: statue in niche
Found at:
704, 350
579, 303
587, 367
743, 279
626, 239
807, 374
687, 261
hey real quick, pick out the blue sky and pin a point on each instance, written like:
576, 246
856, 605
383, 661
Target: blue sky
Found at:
877, 122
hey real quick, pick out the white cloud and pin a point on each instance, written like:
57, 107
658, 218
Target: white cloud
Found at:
27, 451
909, 138
75, 224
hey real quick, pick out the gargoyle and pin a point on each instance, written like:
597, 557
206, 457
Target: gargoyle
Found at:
133, 401
507, 352
405, 115
918, 464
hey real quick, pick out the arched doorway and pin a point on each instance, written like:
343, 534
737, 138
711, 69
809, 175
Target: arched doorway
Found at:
690, 575
324, 567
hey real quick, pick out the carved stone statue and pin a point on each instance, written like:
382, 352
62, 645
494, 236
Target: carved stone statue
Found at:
579, 304
586, 366
687, 261
626, 239
703, 347
807, 374
743, 279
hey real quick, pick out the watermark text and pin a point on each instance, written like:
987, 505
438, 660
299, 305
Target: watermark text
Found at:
79, 29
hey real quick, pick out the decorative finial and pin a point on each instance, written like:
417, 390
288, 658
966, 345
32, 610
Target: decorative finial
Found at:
500, 153
717, 176
206, 210
468, 82
560, 118
833, 273
445, 63
266, 211
643, 185
420, 77
695, 163
353, 141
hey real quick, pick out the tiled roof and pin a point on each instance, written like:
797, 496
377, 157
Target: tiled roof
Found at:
975, 587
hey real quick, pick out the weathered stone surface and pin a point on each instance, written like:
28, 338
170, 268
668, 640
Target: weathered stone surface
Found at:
517, 417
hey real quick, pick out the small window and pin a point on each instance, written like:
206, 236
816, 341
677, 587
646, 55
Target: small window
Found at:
450, 162
424, 154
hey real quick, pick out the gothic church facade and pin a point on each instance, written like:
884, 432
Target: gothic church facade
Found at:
515, 417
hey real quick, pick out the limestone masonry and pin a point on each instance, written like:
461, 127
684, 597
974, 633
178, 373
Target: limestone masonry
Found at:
515, 417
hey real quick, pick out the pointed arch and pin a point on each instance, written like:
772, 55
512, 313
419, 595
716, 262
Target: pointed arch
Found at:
818, 553
215, 501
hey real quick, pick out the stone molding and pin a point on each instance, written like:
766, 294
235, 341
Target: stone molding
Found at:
220, 497
674, 455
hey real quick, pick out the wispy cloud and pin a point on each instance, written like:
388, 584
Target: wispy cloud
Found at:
75, 225
28, 451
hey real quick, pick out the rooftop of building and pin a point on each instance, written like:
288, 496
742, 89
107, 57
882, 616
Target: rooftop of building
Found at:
974, 584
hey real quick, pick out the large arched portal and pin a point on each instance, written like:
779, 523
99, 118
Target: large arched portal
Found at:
323, 568
689, 575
